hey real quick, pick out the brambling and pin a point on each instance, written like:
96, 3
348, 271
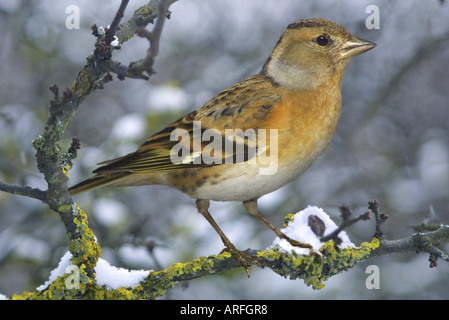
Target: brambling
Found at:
280, 120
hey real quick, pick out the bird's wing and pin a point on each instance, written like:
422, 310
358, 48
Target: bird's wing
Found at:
224, 130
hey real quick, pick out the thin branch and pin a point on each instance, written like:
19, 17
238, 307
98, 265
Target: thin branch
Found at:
101, 63
346, 223
418, 242
24, 191
140, 19
110, 33
318, 226
436, 253
157, 31
146, 64
380, 217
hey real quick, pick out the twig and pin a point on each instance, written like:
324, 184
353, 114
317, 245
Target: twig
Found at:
417, 242
110, 33
380, 217
436, 253
157, 31
101, 63
345, 213
146, 64
24, 191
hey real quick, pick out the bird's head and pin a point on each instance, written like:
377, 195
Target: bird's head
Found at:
311, 52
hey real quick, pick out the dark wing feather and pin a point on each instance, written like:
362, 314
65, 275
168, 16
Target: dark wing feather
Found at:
239, 107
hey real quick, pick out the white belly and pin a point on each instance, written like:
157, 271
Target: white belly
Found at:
244, 182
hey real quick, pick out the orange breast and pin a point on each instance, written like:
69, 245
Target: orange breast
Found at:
306, 121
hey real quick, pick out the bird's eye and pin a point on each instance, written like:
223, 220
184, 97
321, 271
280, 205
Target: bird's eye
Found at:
323, 40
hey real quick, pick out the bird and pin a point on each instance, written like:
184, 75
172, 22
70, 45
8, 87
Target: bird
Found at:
255, 136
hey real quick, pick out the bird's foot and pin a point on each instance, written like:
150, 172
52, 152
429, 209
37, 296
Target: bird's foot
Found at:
301, 245
242, 257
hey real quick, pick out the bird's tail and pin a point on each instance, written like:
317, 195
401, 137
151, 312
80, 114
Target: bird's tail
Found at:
96, 182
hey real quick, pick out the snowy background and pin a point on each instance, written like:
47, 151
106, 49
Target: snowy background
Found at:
392, 142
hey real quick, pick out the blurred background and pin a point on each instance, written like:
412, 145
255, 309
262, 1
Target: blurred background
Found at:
392, 142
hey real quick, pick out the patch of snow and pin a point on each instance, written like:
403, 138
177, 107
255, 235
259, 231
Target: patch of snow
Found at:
106, 275
299, 230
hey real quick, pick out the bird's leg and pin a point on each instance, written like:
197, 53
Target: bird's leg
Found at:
242, 257
251, 207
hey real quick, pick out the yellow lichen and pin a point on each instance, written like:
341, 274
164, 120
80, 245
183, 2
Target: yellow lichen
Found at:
66, 170
85, 247
314, 269
287, 219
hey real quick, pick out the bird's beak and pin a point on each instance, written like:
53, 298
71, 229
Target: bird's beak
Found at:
355, 46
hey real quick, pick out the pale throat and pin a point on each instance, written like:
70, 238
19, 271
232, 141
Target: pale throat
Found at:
288, 76
293, 77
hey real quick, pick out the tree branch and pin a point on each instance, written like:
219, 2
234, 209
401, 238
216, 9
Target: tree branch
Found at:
137, 69
314, 270
345, 213
24, 191
418, 242
54, 164
110, 33
311, 268
142, 69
